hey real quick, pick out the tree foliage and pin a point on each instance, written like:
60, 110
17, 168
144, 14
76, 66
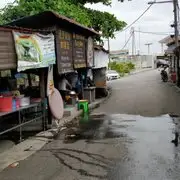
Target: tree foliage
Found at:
103, 22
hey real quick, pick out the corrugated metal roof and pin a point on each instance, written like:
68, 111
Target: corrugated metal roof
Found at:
168, 40
14, 28
117, 52
98, 47
170, 49
46, 18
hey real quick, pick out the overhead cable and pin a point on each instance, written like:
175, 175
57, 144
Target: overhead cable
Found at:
156, 33
127, 41
136, 19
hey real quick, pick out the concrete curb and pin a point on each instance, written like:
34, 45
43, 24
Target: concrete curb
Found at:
144, 70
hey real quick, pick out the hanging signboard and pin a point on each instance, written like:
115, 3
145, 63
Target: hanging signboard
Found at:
90, 53
65, 61
79, 49
34, 50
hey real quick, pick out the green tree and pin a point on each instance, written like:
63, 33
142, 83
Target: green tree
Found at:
100, 21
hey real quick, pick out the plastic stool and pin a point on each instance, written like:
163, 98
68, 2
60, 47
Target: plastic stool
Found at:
83, 104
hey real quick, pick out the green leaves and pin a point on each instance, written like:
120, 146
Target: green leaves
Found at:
103, 22
106, 23
122, 67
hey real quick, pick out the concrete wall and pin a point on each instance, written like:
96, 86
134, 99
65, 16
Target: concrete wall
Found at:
101, 59
144, 61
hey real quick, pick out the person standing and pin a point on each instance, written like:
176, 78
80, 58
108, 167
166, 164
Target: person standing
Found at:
177, 130
64, 86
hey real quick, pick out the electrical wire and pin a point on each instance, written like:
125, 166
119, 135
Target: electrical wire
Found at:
127, 41
136, 19
155, 33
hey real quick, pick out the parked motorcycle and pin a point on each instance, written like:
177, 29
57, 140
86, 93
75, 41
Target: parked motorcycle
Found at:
164, 75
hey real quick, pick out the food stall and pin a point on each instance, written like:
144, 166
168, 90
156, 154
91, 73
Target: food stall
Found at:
74, 42
23, 104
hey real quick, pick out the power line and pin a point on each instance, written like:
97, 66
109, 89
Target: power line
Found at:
136, 19
127, 41
156, 33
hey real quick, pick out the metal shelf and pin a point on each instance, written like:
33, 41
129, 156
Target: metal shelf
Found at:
22, 121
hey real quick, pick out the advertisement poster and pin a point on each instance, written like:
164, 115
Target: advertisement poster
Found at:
34, 50
90, 52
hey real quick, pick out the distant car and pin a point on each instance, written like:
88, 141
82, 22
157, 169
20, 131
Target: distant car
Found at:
111, 74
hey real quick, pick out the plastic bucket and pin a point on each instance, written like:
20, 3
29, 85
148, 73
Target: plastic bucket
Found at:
5, 104
25, 101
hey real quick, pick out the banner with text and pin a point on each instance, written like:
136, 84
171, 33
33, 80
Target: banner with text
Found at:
34, 50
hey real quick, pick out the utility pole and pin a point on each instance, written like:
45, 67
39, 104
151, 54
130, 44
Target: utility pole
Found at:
148, 45
175, 3
109, 49
133, 40
139, 41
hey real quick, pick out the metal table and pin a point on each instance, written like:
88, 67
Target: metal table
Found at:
89, 94
22, 122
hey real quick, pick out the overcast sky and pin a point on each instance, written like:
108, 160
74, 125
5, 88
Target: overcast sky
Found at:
157, 19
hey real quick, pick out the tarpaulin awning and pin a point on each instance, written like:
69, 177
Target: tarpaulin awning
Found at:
162, 61
170, 49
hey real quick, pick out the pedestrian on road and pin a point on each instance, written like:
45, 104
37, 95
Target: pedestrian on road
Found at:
177, 130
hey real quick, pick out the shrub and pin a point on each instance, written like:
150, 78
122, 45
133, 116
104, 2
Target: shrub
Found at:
122, 67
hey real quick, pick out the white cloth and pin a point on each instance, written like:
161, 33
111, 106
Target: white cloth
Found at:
62, 84
50, 81
167, 70
74, 80
90, 74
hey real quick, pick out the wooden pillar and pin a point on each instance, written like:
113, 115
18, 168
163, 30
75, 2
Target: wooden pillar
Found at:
29, 80
43, 95
42, 83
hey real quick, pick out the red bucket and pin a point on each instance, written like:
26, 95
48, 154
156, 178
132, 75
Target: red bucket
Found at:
173, 77
5, 104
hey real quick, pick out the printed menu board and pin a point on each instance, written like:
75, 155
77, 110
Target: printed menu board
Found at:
79, 51
65, 63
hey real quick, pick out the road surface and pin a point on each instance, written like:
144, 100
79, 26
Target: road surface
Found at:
127, 138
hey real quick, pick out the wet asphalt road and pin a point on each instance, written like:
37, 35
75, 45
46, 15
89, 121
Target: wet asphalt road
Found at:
128, 140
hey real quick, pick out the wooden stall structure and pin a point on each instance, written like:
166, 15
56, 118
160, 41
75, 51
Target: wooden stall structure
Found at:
74, 43
71, 39
17, 117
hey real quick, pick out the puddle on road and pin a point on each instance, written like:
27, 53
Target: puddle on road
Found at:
102, 126
143, 144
